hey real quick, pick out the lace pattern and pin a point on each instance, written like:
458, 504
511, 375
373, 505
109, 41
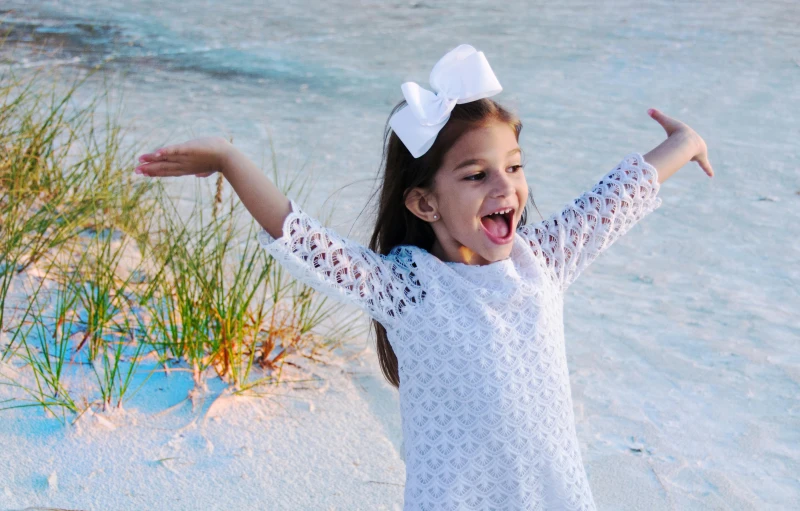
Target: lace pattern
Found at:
485, 398
571, 239
343, 269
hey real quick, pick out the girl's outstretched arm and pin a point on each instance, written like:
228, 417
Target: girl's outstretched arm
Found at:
256, 191
383, 286
574, 236
203, 156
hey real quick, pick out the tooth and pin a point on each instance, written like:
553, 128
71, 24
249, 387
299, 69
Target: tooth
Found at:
501, 212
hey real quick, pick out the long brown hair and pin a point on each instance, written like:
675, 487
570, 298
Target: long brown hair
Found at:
395, 224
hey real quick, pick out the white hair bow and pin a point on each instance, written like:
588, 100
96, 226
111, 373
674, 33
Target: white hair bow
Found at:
461, 76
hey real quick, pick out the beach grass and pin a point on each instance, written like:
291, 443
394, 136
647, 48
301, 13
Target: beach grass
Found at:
104, 277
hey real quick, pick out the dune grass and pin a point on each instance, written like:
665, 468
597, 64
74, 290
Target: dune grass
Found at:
100, 271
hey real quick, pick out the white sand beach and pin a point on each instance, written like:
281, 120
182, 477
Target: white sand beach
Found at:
685, 378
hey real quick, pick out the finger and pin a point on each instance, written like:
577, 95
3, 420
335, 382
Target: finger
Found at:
157, 155
168, 153
658, 115
168, 173
667, 122
147, 157
706, 166
173, 173
160, 169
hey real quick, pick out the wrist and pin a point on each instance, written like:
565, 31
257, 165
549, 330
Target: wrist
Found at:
225, 156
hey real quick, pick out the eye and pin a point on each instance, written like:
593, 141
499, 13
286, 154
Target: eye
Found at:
480, 175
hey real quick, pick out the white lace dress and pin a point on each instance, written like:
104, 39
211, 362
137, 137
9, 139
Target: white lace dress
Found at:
485, 396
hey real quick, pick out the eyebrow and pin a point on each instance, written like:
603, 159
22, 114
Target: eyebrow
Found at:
466, 163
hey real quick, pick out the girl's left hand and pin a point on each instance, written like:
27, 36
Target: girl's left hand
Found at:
676, 128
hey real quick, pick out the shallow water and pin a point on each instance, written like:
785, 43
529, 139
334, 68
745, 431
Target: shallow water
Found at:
682, 338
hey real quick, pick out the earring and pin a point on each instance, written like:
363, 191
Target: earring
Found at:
435, 217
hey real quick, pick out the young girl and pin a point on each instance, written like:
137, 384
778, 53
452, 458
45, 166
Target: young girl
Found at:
465, 295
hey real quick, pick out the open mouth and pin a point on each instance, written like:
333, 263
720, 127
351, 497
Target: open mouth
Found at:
498, 226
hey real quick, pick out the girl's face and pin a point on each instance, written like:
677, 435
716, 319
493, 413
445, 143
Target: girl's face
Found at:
481, 174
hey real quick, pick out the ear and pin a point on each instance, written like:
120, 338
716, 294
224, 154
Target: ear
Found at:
420, 202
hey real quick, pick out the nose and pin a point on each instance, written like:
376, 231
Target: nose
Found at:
503, 185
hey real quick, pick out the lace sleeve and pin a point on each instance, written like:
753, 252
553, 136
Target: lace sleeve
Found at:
380, 285
570, 240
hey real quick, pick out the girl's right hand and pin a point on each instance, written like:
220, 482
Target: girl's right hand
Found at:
200, 157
